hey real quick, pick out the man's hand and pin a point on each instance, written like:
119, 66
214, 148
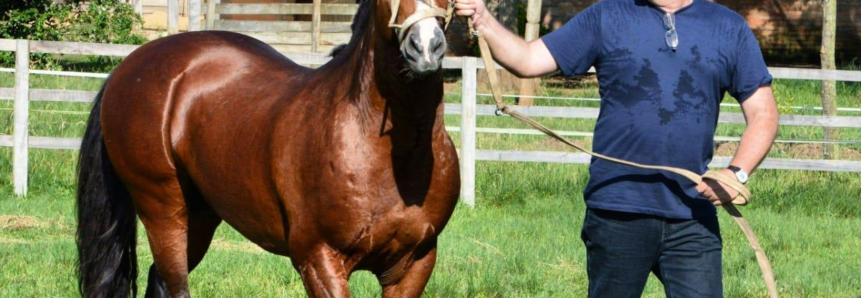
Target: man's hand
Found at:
717, 192
511, 51
475, 10
760, 112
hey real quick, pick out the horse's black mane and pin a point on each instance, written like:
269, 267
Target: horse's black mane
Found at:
361, 22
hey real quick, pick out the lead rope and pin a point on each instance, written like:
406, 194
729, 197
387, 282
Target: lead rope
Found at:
743, 193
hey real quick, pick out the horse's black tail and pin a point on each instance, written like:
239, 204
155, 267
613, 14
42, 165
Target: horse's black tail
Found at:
107, 226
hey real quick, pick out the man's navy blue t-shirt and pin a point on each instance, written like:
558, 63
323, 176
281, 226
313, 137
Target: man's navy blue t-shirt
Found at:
658, 106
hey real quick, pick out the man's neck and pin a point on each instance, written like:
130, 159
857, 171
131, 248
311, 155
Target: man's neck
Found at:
671, 5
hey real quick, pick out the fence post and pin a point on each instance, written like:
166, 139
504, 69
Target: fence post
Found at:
467, 131
533, 15
139, 7
22, 116
211, 14
172, 17
315, 25
193, 15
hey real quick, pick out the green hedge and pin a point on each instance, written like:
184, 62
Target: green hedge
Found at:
103, 21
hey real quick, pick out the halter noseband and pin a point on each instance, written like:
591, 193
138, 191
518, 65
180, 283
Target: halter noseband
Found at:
434, 12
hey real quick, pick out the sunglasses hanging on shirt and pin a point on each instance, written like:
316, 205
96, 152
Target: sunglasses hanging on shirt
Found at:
672, 37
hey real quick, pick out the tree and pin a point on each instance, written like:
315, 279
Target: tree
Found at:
506, 13
829, 88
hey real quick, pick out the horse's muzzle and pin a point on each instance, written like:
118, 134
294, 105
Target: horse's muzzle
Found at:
424, 48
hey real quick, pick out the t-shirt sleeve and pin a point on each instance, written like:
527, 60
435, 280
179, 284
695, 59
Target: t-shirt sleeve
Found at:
749, 72
575, 46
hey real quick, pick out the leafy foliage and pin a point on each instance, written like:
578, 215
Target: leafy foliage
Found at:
521, 21
102, 21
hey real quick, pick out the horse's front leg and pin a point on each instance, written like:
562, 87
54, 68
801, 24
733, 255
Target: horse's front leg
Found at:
323, 273
415, 278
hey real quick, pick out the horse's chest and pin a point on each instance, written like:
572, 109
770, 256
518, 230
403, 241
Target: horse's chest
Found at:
387, 196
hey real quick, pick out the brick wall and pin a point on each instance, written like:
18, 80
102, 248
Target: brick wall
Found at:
789, 30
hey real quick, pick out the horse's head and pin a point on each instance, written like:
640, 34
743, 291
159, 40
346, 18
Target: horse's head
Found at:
417, 26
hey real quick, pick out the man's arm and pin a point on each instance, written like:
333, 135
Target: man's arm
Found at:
760, 113
524, 59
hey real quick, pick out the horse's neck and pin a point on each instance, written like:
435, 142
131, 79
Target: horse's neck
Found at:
405, 92
388, 92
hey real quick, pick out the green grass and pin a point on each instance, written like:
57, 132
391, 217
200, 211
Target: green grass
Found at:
522, 239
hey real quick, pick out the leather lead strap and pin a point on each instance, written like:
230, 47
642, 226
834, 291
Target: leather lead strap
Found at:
743, 197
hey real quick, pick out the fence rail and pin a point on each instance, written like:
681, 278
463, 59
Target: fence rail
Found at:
315, 35
286, 8
467, 109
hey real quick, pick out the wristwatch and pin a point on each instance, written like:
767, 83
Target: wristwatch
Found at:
740, 174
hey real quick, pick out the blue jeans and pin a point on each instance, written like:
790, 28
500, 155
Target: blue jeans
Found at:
623, 248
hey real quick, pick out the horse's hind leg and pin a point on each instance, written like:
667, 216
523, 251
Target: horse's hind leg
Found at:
201, 228
201, 223
414, 279
323, 273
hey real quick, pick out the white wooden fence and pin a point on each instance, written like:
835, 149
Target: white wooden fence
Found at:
314, 36
468, 110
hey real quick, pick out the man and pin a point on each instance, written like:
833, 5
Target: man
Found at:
663, 67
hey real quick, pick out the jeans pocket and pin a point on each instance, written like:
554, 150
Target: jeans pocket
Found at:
583, 234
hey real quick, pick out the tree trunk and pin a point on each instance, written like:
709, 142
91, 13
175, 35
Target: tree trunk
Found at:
505, 12
829, 88
533, 15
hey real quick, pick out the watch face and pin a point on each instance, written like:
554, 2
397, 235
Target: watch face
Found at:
742, 176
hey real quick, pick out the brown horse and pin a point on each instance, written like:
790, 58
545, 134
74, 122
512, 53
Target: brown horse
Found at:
342, 168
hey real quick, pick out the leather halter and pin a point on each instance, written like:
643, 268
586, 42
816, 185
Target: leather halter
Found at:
434, 12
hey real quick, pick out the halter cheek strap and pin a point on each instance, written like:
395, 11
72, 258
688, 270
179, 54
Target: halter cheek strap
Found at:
433, 12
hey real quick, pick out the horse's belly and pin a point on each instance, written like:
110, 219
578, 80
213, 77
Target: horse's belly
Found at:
229, 166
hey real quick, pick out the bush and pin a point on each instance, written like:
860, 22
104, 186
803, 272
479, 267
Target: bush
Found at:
103, 21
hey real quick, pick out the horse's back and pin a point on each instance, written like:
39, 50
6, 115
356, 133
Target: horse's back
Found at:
155, 91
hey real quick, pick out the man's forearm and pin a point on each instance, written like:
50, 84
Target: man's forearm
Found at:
754, 146
509, 50
762, 122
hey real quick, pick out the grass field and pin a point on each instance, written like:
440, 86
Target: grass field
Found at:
522, 239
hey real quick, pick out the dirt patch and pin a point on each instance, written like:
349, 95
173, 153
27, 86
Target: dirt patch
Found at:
11, 241
802, 150
799, 151
236, 246
726, 148
849, 153
15, 222
816, 151
551, 144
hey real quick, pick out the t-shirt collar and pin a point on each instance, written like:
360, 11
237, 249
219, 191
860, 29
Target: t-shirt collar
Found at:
662, 11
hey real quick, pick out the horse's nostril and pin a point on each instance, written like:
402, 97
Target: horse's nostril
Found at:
415, 42
411, 56
440, 48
